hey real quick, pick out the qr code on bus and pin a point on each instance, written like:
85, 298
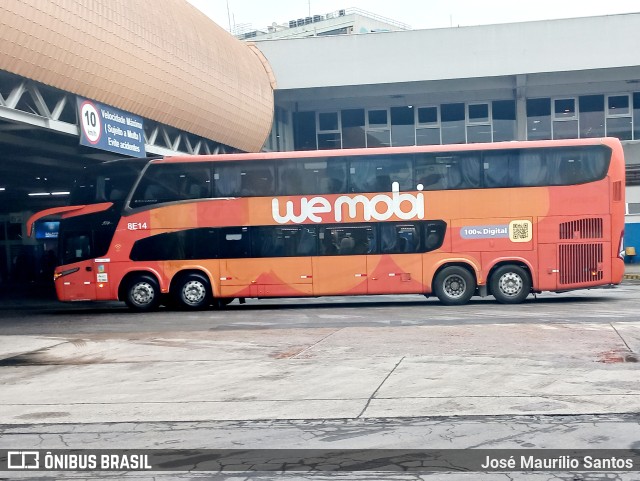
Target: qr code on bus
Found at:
520, 231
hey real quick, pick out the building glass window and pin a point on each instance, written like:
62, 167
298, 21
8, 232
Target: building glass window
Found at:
353, 129
565, 118
453, 123
304, 131
619, 117
403, 130
428, 126
618, 105
539, 119
329, 136
591, 116
504, 120
328, 121
478, 123
378, 128
478, 113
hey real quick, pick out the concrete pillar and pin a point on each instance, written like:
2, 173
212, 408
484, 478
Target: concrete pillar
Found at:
521, 107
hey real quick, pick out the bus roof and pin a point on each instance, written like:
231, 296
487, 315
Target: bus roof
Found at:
309, 154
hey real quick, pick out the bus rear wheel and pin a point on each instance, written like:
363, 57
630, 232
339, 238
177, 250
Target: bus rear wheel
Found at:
193, 292
143, 293
510, 284
454, 285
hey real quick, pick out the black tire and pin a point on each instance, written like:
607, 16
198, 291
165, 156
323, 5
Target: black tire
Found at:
192, 291
510, 284
143, 293
454, 285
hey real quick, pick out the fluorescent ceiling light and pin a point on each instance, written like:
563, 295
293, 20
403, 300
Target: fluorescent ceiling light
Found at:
42, 194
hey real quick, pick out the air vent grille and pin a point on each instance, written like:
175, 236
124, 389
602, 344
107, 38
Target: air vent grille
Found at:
580, 263
581, 229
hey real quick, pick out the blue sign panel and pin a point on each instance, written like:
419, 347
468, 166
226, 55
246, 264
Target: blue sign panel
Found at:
111, 129
47, 230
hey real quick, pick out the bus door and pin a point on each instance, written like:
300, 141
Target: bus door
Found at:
341, 265
398, 266
267, 261
78, 281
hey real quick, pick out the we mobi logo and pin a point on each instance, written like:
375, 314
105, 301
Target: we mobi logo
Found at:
380, 207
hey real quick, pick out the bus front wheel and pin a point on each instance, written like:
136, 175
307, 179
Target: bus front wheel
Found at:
454, 285
510, 284
143, 293
193, 292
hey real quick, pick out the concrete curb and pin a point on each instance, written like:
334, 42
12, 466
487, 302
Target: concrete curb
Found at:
632, 276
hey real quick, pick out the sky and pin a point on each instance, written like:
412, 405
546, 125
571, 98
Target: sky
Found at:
418, 14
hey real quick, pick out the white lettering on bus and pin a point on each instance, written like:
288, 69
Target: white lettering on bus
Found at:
380, 207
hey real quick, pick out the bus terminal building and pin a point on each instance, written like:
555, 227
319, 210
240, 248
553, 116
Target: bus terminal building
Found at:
556, 79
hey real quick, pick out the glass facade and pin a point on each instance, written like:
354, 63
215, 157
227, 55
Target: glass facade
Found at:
587, 116
451, 123
566, 117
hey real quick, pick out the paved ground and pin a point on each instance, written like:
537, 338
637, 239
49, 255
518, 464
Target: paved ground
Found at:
559, 371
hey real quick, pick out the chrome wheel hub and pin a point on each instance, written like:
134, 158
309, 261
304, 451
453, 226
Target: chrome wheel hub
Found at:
510, 284
454, 286
194, 292
142, 293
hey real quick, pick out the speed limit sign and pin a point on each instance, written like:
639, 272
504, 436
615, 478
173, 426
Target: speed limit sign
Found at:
90, 122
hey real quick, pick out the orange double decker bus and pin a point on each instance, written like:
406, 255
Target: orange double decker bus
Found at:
503, 219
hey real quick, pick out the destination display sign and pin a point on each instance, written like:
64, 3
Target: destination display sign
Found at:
107, 128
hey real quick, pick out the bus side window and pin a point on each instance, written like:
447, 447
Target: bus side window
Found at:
227, 179
533, 169
495, 171
433, 235
378, 174
468, 167
399, 238
570, 172
195, 182
448, 171
430, 174
202, 243
335, 178
500, 170
257, 179
234, 242
267, 242
307, 244
348, 240
328, 242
